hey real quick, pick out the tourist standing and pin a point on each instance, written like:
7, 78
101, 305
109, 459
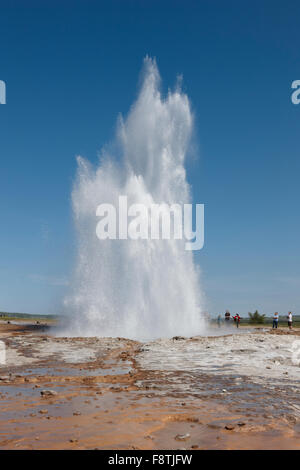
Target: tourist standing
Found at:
275, 320
290, 320
227, 318
237, 319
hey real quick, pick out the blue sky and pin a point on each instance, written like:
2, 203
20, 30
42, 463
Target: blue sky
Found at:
71, 67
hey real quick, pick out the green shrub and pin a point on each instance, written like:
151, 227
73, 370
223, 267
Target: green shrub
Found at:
256, 317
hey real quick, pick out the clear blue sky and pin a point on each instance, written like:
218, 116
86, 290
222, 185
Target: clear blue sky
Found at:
71, 66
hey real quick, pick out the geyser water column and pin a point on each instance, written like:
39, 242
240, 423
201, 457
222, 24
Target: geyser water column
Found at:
136, 288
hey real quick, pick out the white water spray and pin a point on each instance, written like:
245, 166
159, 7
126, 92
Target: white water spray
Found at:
136, 288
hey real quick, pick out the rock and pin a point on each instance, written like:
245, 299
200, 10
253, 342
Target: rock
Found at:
4, 378
182, 437
43, 412
214, 425
241, 423
76, 413
48, 393
193, 419
30, 379
116, 389
124, 355
73, 440
178, 338
229, 427
292, 419
194, 446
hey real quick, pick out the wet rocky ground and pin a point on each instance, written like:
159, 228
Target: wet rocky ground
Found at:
224, 391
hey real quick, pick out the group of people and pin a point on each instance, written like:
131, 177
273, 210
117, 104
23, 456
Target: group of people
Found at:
276, 318
237, 318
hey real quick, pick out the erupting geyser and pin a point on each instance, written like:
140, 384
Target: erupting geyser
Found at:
136, 288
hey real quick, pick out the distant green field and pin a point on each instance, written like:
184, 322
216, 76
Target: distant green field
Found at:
27, 316
245, 321
268, 321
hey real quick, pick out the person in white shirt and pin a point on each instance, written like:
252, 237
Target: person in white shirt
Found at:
290, 320
275, 320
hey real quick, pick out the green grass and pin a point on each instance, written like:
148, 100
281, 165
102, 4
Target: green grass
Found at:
6, 316
268, 321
